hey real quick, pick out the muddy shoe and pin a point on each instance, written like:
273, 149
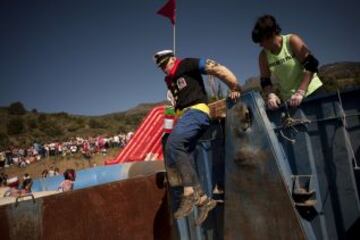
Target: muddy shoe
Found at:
204, 209
186, 206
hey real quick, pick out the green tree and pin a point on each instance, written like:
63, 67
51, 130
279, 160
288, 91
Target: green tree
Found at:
16, 108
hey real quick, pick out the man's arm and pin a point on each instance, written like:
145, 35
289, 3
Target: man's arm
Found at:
225, 75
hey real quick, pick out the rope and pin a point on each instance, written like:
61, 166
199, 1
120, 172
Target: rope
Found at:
290, 122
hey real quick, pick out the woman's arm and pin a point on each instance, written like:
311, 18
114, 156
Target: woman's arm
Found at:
301, 52
272, 100
265, 74
310, 63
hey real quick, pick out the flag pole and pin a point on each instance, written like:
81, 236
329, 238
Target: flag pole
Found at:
169, 11
174, 30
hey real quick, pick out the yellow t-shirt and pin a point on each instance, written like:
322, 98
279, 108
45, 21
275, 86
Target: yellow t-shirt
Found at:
289, 71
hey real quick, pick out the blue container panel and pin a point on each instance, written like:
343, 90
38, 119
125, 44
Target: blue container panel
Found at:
85, 178
323, 149
209, 163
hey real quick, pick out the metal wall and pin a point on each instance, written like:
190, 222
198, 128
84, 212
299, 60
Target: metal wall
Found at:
99, 175
258, 204
291, 173
287, 174
209, 163
320, 148
129, 209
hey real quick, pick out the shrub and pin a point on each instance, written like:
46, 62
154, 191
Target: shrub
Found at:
16, 108
52, 130
15, 126
93, 123
42, 118
74, 127
32, 123
4, 141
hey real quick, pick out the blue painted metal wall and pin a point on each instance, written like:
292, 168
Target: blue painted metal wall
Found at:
84, 178
324, 148
209, 163
307, 155
258, 204
99, 175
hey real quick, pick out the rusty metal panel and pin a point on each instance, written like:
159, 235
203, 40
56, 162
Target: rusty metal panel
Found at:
22, 220
258, 204
4, 223
129, 209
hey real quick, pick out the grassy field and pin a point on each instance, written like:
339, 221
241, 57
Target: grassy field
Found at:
76, 162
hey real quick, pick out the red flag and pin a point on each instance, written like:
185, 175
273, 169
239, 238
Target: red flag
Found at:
168, 10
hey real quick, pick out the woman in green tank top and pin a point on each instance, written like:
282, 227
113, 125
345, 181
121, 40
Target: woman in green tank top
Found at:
288, 59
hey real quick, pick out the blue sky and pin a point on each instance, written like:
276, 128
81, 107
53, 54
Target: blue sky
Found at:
94, 57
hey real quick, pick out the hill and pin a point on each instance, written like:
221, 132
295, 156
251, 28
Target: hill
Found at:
336, 75
21, 127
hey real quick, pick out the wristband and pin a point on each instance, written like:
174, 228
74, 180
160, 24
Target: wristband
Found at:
301, 92
271, 95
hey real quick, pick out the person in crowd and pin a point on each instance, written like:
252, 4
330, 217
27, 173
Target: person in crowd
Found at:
3, 178
22, 162
44, 173
8, 155
289, 59
3, 185
56, 171
26, 184
51, 171
184, 81
13, 187
69, 179
2, 159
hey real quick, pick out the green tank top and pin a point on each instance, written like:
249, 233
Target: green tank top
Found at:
289, 71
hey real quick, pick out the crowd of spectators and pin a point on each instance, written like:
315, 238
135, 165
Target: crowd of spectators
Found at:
22, 157
14, 187
79, 146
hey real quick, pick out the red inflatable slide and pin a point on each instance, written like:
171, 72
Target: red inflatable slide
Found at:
146, 142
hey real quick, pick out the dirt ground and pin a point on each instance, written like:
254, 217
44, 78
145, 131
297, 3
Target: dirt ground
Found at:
76, 162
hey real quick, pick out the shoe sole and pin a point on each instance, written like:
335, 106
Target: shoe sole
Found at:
210, 207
